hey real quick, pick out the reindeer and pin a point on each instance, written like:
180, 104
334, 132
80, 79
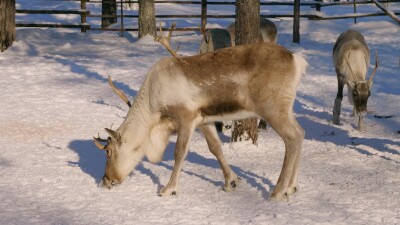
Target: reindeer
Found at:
180, 94
351, 59
268, 31
214, 39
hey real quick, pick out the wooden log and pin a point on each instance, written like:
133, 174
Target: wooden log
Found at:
388, 12
35, 11
54, 25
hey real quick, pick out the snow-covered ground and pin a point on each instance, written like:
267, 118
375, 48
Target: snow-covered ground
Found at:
55, 97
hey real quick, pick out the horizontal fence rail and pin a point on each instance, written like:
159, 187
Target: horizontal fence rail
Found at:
84, 13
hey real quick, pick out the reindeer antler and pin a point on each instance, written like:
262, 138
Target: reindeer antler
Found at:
203, 32
348, 65
376, 67
118, 92
165, 41
98, 140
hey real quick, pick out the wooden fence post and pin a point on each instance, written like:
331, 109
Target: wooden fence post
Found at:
355, 10
296, 21
83, 15
203, 13
122, 19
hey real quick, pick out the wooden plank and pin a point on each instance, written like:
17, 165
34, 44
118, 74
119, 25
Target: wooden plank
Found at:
35, 11
388, 12
53, 25
216, 16
358, 15
351, 3
136, 29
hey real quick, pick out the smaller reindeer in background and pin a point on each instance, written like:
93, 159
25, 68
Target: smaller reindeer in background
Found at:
351, 58
217, 38
214, 39
268, 31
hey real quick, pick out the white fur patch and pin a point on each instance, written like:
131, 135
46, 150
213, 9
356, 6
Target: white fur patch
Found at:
172, 87
155, 145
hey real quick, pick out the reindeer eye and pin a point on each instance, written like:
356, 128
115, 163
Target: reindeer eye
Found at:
355, 94
108, 153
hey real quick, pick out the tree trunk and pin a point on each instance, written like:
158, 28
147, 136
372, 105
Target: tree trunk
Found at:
296, 21
7, 23
108, 9
147, 18
247, 31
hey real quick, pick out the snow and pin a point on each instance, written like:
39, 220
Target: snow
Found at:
55, 97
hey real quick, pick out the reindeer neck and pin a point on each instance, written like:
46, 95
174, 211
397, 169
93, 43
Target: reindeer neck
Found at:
139, 118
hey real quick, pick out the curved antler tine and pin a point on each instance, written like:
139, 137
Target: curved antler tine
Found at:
348, 65
99, 145
98, 138
173, 25
161, 33
203, 32
376, 67
119, 92
116, 136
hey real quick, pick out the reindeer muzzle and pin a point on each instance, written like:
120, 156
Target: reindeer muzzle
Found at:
106, 183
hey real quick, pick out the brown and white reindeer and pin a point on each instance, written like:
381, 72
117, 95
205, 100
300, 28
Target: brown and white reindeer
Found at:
351, 58
181, 94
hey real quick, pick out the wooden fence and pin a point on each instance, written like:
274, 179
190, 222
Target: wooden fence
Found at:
202, 14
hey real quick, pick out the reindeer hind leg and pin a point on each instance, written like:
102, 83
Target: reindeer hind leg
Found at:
292, 134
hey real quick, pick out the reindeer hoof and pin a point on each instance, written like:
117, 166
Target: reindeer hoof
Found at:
231, 186
279, 197
292, 190
167, 192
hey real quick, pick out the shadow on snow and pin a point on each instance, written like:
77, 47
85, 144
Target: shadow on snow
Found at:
332, 133
92, 161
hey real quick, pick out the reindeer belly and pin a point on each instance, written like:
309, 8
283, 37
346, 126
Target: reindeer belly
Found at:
225, 111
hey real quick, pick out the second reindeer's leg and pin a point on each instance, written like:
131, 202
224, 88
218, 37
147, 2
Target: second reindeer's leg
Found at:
214, 144
338, 101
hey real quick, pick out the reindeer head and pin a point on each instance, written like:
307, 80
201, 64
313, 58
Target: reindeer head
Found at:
121, 158
361, 90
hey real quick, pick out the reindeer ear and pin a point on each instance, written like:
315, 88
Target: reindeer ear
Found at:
114, 135
370, 84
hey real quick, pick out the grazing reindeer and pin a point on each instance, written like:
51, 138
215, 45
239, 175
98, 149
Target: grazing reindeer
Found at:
181, 94
351, 60
268, 31
214, 39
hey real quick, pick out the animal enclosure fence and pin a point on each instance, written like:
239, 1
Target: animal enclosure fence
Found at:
90, 19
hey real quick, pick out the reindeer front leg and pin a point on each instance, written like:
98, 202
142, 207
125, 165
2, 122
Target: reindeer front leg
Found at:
214, 144
338, 101
185, 132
